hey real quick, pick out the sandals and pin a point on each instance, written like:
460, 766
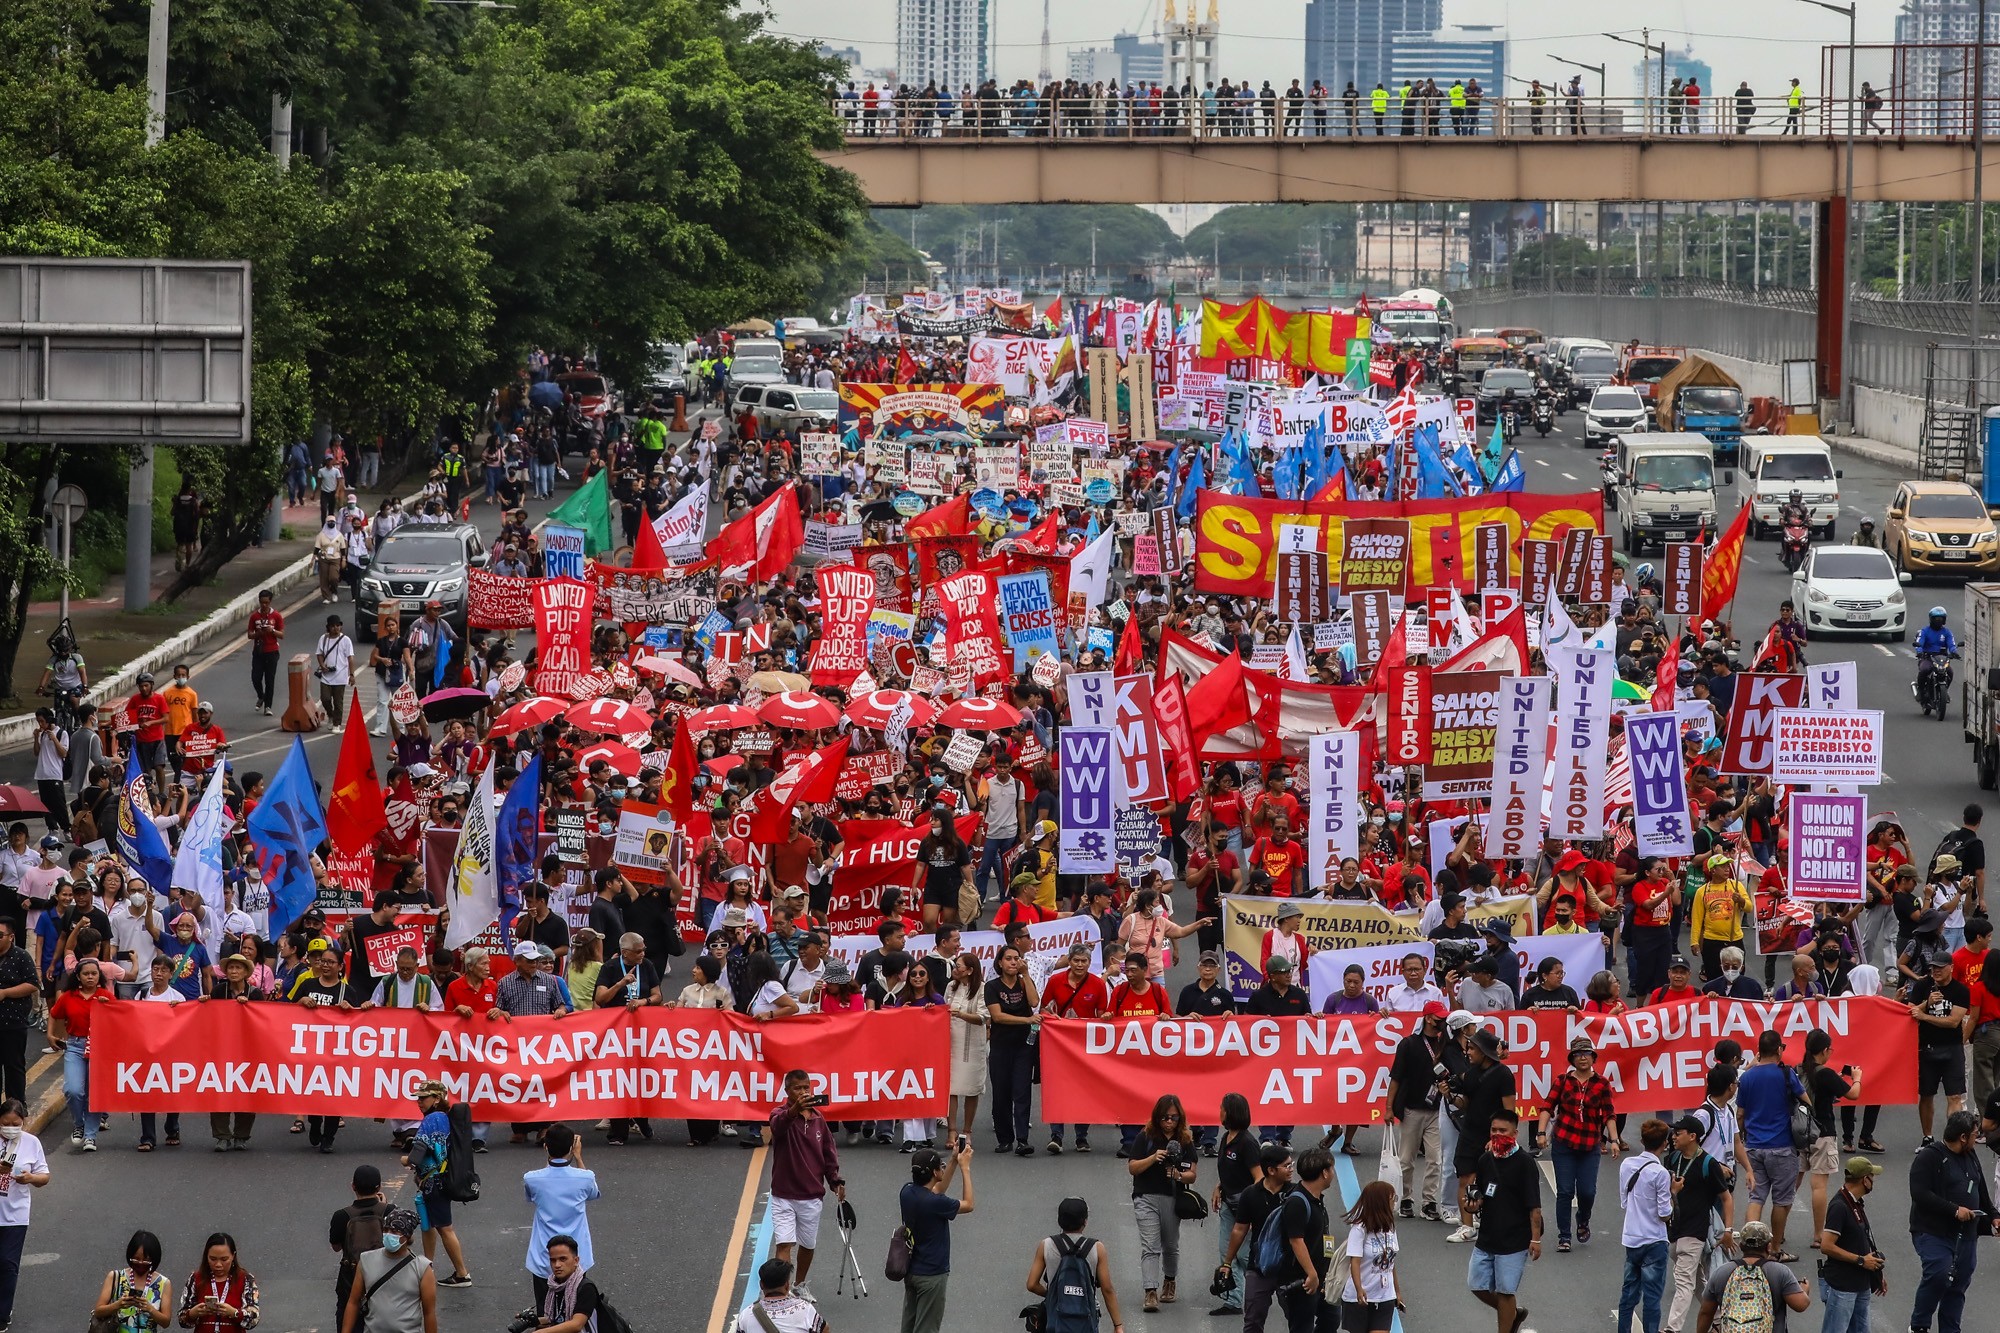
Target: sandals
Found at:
298, 1127
145, 1147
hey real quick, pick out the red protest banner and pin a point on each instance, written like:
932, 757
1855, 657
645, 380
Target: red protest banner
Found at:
846, 600
280, 1059
861, 773
1750, 745
875, 854
1335, 1070
498, 601
1464, 709
562, 634
970, 603
383, 948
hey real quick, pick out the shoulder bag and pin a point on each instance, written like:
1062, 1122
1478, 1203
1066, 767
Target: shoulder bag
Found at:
901, 1244
376, 1286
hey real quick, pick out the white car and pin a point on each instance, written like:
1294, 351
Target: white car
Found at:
1614, 410
1849, 590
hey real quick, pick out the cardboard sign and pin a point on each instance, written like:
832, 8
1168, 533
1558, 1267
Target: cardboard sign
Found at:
1827, 859
1489, 557
819, 453
1595, 581
1375, 554
1680, 589
1372, 626
383, 948
569, 826
1749, 747
861, 773
1570, 562
562, 552
754, 740
963, 752
1464, 712
1301, 595
1146, 553
1538, 566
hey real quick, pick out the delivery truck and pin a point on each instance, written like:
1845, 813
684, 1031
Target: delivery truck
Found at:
1698, 395
1979, 679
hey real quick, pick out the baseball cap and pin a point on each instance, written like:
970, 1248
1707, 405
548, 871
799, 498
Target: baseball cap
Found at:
1687, 1124
318, 946
527, 949
1459, 1020
1677, 961
1209, 957
1857, 1166
1755, 1236
51, 843
1569, 861
430, 1087
1278, 963
1436, 1009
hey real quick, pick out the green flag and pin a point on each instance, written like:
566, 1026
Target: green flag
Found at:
1358, 354
589, 509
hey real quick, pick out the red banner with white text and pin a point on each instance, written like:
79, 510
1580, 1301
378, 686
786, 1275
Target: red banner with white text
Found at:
1335, 1069
846, 599
562, 633
285, 1059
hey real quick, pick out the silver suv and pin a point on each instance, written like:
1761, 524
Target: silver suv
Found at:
416, 563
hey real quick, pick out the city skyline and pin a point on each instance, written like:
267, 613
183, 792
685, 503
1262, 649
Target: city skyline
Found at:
1265, 39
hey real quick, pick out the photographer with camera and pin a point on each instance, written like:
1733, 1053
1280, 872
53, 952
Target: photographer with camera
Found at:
1851, 1265
1068, 1272
1162, 1163
804, 1166
928, 1212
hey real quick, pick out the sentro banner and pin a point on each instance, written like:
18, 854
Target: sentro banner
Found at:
1335, 1069
1331, 926
283, 1059
1235, 536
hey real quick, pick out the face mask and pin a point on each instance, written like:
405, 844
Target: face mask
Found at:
1395, 819
391, 1241
138, 901
10, 1132
1159, 911
1502, 1144
1730, 974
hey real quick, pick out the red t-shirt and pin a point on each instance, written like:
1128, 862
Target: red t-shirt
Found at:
267, 631
1013, 910
1126, 1004
76, 1012
200, 746
148, 713
1653, 903
1969, 967
1226, 808
1089, 1000
1278, 860
1267, 807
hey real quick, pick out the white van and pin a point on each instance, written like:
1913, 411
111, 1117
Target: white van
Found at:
1777, 465
1664, 489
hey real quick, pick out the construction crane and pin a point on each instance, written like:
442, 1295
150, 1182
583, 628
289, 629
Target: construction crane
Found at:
1048, 74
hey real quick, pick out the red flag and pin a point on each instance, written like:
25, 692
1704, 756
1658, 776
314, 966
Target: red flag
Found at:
1663, 691
1218, 701
1131, 655
647, 553
811, 779
953, 518
1044, 536
1724, 562
764, 540
1052, 312
907, 371
677, 780
1395, 653
354, 813
1170, 706
1503, 648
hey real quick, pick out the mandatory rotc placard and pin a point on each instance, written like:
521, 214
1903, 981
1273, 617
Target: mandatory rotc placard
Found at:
1843, 749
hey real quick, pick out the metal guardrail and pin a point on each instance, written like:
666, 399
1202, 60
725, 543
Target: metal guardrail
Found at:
1158, 114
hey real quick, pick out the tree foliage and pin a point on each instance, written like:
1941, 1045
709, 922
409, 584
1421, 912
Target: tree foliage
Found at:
1277, 236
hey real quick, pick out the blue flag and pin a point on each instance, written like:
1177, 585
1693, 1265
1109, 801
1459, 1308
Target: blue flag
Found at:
141, 845
1470, 475
1496, 447
286, 828
1242, 473
1512, 476
1196, 479
1434, 480
1285, 474
1173, 477
516, 837
1315, 447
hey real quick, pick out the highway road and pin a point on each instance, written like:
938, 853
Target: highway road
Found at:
678, 1227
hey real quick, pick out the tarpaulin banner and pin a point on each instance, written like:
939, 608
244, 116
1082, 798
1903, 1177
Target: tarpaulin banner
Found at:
891, 567
1749, 747
1582, 740
1826, 859
1582, 956
1236, 536
1336, 925
1680, 591
874, 854
1660, 822
970, 605
1015, 364
1815, 746
498, 601
1047, 952
1407, 733
1125, 704
1335, 1069
919, 406
846, 600
1088, 808
282, 1059
1333, 765
1464, 710
562, 634
1520, 766
1310, 340
1028, 617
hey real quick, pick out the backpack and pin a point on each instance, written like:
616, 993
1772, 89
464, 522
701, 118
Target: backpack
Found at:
1954, 843
1071, 1303
461, 1182
364, 1230
608, 1319
1267, 1255
1745, 1306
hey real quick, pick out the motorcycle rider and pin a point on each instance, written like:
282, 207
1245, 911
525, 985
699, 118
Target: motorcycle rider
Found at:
1794, 511
1935, 637
1510, 414
1866, 535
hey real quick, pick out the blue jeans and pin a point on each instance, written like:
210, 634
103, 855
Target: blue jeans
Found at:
1947, 1274
76, 1087
1576, 1179
1645, 1279
1225, 1222
12, 1240
989, 858
545, 478
147, 1121
1082, 1134
1846, 1311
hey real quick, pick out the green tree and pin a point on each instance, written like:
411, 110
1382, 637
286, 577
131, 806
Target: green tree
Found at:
1277, 236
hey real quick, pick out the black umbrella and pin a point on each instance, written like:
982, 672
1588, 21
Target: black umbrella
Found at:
879, 511
455, 705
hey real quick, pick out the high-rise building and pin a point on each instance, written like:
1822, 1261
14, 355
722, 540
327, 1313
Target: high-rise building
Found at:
942, 42
1129, 59
1354, 39
1416, 56
1681, 65
1934, 81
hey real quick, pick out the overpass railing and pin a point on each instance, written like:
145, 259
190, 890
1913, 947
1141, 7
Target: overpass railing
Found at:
924, 116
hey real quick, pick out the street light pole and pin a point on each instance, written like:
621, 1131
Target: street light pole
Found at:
1849, 255
1598, 70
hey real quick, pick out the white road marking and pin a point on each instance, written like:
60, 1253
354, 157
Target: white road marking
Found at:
1569, 476
1541, 462
1885, 650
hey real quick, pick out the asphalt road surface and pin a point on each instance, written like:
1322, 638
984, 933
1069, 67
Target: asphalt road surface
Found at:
678, 1228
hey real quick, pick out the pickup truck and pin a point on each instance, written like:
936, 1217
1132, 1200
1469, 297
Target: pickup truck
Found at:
792, 408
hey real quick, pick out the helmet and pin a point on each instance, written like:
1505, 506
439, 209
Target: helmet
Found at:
1644, 573
1937, 615
1867, 523
1796, 495
145, 678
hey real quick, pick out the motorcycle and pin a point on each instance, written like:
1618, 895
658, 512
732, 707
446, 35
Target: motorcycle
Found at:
1544, 417
1793, 545
1932, 687
1510, 422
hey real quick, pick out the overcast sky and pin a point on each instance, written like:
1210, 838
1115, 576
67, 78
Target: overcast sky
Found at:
1764, 41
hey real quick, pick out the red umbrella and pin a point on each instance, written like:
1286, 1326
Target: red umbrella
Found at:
609, 717
799, 708
528, 713
979, 715
873, 709
624, 760
722, 717
15, 800
722, 763
670, 667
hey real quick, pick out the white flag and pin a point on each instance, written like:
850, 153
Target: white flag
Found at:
1090, 568
198, 864
1559, 633
683, 529
1295, 658
473, 894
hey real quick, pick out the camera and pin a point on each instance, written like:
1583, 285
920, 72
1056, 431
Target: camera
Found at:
525, 1322
963, 1142
1223, 1282
819, 1099
1456, 955
1173, 1150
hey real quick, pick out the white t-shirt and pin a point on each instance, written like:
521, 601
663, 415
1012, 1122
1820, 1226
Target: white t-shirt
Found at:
16, 1198
168, 996
802, 980
130, 934
1377, 1252
336, 653
766, 999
